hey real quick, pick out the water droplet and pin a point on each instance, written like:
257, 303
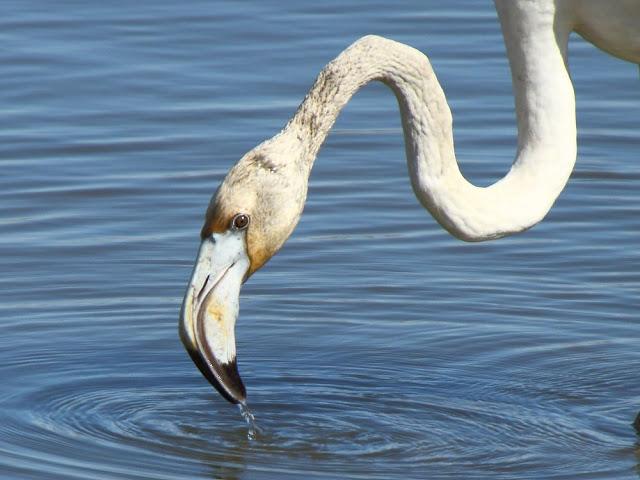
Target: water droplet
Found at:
250, 419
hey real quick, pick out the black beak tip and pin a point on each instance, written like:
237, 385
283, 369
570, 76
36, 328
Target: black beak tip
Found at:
230, 385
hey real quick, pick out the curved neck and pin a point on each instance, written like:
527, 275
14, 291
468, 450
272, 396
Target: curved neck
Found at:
536, 36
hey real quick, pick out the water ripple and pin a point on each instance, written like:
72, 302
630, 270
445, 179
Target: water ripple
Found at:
374, 346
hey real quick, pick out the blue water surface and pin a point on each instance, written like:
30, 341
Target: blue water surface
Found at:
374, 345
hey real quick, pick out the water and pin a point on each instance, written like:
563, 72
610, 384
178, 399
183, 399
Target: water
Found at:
250, 419
374, 345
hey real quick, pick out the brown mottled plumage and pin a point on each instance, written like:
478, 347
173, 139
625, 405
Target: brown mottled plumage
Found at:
265, 184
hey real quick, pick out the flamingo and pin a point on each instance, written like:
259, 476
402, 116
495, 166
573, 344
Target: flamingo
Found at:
258, 204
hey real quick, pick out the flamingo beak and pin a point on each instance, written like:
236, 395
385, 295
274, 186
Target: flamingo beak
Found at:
210, 309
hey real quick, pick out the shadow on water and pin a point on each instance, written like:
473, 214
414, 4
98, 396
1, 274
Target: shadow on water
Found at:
637, 449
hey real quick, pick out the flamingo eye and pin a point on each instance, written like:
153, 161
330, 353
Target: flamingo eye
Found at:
240, 221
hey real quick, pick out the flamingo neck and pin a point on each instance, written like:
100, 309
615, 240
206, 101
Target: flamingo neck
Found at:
536, 36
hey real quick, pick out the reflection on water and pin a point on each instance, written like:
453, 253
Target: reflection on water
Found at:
373, 345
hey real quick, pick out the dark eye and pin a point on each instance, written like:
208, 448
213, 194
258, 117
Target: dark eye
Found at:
240, 221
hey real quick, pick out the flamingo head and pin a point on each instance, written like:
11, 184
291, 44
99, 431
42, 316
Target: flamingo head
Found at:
249, 218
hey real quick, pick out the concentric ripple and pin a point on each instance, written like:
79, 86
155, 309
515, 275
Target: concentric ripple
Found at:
340, 421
